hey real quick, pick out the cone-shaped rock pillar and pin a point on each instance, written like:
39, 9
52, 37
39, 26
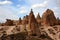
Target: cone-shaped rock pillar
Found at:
33, 25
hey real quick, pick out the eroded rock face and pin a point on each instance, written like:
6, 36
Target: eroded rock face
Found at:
38, 19
19, 21
8, 22
58, 20
48, 18
25, 20
1, 24
33, 25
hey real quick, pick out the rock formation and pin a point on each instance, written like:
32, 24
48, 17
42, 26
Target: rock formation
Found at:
31, 28
25, 20
48, 18
38, 19
1, 24
8, 22
33, 25
58, 20
19, 21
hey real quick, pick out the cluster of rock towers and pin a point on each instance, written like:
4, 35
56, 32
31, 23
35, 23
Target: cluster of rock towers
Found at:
48, 19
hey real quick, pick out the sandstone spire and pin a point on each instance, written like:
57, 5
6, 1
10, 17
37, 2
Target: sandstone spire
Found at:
19, 21
25, 20
49, 18
31, 17
38, 19
38, 16
33, 24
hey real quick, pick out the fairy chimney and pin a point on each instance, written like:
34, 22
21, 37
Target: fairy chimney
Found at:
19, 21
38, 18
48, 18
25, 20
33, 25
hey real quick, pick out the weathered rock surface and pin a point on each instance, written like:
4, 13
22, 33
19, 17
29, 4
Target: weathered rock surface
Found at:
38, 18
58, 20
8, 22
19, 21
49, 33
18, 36
33, 25
48, 18
25, 20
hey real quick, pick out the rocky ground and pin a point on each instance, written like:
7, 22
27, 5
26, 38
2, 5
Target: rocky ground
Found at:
49, 33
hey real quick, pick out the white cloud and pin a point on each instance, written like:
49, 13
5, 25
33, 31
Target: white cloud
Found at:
45, 2
40, 5
5, 2
22, 10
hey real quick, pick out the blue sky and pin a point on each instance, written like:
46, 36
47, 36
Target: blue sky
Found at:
13, 9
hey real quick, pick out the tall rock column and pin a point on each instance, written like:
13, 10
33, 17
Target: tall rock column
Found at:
38, 18
33, 25
19, 21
